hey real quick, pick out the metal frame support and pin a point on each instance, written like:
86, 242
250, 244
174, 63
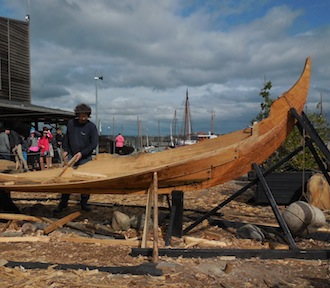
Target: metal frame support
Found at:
242, 190
304, 124
275, 209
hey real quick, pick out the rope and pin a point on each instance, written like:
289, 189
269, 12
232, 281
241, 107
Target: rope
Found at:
304, 166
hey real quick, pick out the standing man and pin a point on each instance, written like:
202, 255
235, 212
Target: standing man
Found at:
120, 140
4, 145
16, 141
59, 143
80, 141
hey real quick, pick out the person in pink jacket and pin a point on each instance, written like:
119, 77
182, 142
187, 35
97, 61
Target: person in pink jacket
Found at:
44, 147
120, 140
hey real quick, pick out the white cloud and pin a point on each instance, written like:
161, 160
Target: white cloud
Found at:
150, 51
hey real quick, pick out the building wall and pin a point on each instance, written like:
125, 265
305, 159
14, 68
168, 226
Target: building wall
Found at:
14, 60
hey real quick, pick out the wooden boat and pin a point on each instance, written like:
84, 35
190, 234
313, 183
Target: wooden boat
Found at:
187, 168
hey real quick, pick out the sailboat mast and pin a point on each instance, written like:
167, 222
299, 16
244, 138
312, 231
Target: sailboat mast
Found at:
212, 122
187, 120
174, 125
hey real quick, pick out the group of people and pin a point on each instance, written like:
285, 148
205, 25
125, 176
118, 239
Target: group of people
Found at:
80, 140
11, 143
38, 146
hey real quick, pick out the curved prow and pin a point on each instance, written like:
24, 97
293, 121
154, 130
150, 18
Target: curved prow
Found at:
296, 96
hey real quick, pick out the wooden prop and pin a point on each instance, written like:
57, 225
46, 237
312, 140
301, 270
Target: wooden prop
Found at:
53, 226
147, 218
155, 218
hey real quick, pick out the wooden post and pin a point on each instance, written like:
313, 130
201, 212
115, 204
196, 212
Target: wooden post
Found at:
147, 218
155, 218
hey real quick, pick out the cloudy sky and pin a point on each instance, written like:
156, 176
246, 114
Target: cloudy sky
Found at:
150, 52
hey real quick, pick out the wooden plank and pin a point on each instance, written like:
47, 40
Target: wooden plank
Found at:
127, 242
193, 241
53, 226
89, 174
24, 239
19, 217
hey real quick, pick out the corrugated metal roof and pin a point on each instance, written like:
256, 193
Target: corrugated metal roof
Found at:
24, 111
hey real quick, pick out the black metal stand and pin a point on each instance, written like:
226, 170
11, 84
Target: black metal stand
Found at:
276, 211
242, 190
176, 217
306, 128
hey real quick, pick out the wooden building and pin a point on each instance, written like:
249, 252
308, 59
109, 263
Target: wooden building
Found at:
16, 110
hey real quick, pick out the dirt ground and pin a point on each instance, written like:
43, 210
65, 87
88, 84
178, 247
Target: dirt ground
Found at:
99, 259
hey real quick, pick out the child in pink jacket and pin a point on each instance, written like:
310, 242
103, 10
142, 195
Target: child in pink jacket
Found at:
44, 147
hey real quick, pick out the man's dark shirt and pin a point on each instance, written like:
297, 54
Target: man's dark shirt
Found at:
80, 138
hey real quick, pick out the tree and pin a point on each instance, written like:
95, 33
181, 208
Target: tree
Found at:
267, 102
305, 159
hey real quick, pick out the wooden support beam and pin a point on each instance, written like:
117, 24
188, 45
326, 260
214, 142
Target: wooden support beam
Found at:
155, 218
147, 218
59, 223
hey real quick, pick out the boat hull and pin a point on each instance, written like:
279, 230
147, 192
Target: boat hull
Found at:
202, 165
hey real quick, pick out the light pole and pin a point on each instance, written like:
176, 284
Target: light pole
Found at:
96, 109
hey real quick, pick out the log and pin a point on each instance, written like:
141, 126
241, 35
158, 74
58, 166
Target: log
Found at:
80, 227
19, 217
103, 230
61, 222
128, 242
90, 229
318, 191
